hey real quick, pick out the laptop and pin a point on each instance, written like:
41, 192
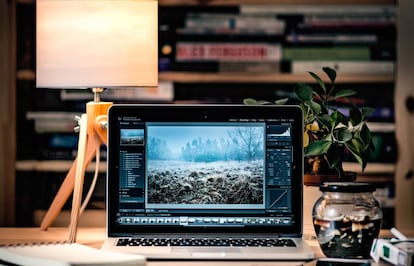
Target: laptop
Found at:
206, 182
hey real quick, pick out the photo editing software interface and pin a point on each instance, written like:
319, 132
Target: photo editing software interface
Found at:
231, 173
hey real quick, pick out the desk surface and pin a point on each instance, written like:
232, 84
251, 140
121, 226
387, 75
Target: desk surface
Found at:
95, 236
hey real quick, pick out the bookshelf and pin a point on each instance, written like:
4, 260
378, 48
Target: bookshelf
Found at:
189, 86
186, 77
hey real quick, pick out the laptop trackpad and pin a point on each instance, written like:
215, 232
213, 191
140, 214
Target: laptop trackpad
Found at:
206, 251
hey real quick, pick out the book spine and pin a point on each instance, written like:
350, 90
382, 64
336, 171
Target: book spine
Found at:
45, 122
346, 67
249, 67
228, 67
227, 52
348, 21
59, 146
209, 21
319, 9
233, 31
335, 38
222, 23
346, 53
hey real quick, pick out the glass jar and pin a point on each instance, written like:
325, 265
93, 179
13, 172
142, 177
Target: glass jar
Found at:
347, 218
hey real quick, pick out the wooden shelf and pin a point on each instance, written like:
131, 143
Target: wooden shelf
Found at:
191, 77
371, 169
53, 166
262, 2
26, 74
277, 2
375, 179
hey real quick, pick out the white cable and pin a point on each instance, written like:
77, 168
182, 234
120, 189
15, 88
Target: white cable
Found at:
79, 178
93, 184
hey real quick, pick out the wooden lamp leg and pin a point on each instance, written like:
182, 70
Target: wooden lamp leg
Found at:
79, 179
68, 184
96, 135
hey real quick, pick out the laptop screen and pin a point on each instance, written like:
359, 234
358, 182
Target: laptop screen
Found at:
204, 168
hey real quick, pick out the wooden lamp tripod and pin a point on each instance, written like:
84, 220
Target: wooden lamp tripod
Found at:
92, 134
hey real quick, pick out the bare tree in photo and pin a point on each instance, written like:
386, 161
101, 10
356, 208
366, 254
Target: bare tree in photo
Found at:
249, 141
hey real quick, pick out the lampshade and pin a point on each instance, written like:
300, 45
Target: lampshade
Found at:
96, 43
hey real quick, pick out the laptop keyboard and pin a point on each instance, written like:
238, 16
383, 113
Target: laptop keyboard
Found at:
231, 242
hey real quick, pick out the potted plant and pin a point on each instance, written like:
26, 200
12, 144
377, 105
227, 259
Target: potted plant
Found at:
333, 126
330, 131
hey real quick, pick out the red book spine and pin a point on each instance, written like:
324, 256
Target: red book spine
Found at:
227, 52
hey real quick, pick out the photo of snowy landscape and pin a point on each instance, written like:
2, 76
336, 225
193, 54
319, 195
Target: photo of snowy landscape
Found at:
215, 164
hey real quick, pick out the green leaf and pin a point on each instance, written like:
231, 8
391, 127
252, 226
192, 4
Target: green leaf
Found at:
264, 102
366, 137
249, 101
315, 107
281, 101
343, 93
336, 118
342, 135
355, 116
355, 146
319, 80
304, 92
334, 156
317, 148
330, 72
366, 111
325, 121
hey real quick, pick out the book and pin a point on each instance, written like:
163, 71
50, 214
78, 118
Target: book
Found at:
378, 52
327, 53
45, 122
233, 23
319, 9
192, 51
249, 67
321, 38
232, 32
58, 146
345, 67
65, 254
398, 252
227, 67
349, 21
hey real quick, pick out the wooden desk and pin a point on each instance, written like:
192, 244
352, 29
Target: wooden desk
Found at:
94, 237
14, 235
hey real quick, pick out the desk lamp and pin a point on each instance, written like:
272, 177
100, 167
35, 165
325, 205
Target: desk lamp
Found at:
93, 44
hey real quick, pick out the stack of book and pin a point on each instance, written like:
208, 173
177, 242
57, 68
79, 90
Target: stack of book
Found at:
280, 38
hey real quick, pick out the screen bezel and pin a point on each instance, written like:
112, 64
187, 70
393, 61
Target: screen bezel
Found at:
200, 113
